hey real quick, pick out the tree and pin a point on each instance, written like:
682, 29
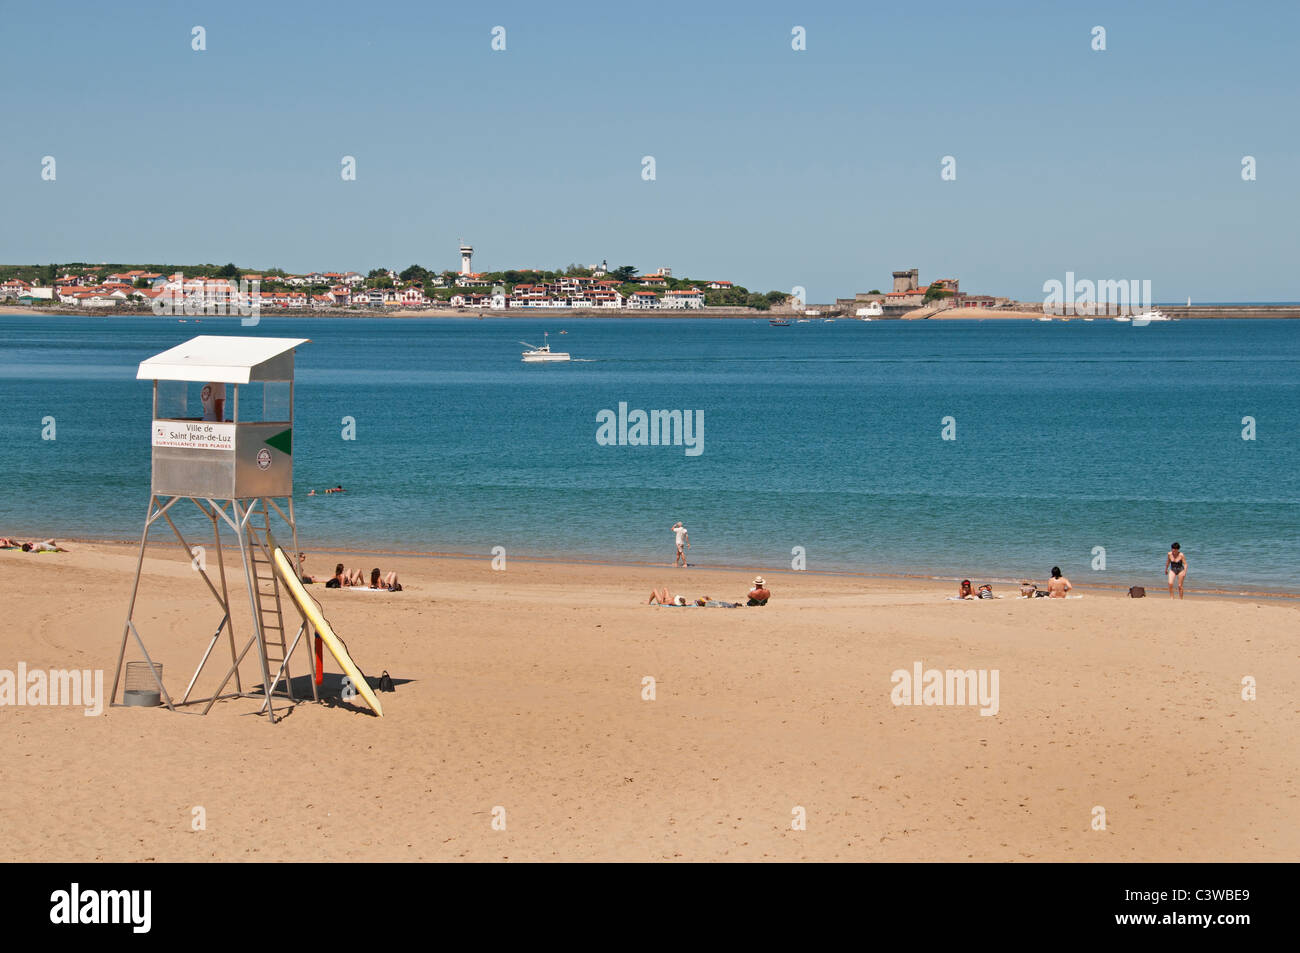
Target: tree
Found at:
623, 273
415, 273
228, 271
936, 293
874, 291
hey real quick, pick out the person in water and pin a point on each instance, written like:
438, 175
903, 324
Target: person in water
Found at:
1176, 568
683, 543
1058, 585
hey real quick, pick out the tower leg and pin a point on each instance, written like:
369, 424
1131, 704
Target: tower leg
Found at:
130, 609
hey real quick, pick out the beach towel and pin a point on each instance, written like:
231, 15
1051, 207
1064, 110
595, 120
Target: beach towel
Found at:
367, 589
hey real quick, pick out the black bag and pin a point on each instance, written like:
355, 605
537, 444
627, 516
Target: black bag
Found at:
386, 682
1136, 592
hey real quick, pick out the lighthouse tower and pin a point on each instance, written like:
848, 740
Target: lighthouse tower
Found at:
466, 254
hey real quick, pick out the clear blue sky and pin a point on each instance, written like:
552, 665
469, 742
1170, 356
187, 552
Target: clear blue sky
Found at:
775, 168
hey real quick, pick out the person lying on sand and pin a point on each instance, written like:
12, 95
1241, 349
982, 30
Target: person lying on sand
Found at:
759, 595
7, 543
44, 546
664, 598
388, 581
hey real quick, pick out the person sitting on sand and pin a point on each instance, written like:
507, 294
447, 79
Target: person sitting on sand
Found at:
306, 577
342, 578
1058, 585
389, 580
966, 592
759, 595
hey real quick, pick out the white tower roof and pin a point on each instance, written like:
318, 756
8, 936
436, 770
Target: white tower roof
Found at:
226, 359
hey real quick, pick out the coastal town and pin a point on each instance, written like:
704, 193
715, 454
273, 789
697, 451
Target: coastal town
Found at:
596, 288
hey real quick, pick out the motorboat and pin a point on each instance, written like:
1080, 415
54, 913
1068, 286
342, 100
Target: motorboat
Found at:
1146, 317
543, 354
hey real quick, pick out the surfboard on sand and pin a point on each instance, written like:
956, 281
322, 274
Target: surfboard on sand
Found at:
307, 606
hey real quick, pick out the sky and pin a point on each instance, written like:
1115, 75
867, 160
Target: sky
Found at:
774, 167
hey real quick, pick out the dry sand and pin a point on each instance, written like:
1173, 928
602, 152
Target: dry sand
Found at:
523, 689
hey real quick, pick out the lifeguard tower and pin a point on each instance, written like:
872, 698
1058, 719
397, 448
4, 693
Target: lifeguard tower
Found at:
223, 440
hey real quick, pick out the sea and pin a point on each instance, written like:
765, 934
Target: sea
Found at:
989, 450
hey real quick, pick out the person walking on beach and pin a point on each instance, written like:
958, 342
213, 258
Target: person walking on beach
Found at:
1176, 568
683, 543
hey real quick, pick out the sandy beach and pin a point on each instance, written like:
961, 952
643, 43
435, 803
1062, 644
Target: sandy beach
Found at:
523, 690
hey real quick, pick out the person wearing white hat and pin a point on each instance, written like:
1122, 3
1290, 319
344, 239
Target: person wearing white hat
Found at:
759, 595
683, 540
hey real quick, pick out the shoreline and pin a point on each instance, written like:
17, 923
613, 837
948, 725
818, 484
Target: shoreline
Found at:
618, 562
1195, 313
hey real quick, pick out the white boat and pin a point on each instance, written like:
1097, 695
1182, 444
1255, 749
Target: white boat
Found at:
543, 354
1146, 317
1121, 317
1044, 318
813, 313
873, 310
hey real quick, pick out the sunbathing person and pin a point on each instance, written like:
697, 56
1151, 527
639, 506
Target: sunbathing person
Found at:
44, 546
342, 578
388, 581
1058, 585
759, 595
663, 597
7, 543
966, 592
306, 577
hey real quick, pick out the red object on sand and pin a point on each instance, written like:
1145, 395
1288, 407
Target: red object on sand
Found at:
320, 661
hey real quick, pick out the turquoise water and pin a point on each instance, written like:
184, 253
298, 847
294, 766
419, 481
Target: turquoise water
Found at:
825, 436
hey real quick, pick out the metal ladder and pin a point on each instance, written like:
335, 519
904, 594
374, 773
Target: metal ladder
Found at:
270, 615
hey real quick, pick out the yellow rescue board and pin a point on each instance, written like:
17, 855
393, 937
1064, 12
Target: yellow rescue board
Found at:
309, 609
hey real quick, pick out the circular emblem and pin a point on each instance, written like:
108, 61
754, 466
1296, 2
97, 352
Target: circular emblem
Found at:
263, 459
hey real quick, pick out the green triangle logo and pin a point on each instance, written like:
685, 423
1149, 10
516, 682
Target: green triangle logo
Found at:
283, 441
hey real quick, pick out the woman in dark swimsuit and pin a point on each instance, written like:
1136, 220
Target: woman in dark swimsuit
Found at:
1176, 567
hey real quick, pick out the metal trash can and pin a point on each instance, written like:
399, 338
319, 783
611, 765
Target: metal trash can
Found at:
141, 690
